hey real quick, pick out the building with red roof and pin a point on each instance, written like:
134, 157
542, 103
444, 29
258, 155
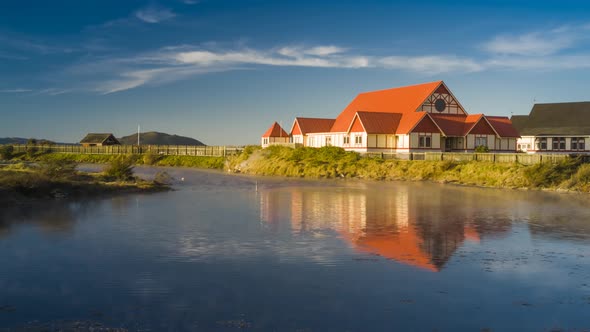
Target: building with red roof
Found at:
418, 118
275, 135
302, 127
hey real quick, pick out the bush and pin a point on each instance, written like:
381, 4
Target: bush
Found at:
6, 152
32, 150
58, 169
482, 149
163, 178
546, 175
120, 169
583, 174
150, 158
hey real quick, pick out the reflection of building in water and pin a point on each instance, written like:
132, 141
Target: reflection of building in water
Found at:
397, 224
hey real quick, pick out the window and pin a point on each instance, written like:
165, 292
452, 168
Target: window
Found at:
541, 143
558, 143
265, 141
578, 143
328, 140
425, 140
481, 141
346, 140
358, 139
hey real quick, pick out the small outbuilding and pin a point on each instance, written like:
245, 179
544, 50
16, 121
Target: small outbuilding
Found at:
275, 135
94, 139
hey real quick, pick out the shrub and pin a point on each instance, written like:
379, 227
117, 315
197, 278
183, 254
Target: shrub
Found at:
583, 174
6, 152
32, 150
163, 178
57, 169
150, 158
546, 175
482, 149
120, 168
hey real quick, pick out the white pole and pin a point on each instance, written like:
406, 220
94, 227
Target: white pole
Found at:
138, 128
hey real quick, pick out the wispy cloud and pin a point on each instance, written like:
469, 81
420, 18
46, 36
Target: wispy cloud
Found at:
547, 63
55, 91
293, 58
532, 44
435, 64
26, 44
9, 56
154, 14
538, 43
190, 2
113, 70
15, 90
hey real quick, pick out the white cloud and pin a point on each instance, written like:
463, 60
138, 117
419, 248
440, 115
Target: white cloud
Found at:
286, 56
539, 43
560, 48
556, 62
154, 14
532, 44
55, 91
434, 64
15, 90
319, 51
190, 2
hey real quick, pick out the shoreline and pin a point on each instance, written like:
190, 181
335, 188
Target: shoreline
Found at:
22, 184
568, 176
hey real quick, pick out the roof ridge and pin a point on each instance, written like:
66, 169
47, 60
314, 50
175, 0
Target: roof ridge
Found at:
401, 87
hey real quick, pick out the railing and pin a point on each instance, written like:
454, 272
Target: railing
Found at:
172, 150
522, 158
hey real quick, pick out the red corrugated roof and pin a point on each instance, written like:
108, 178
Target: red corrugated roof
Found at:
398, 100
409, 121
313, 125
275, 131
503, 126
379, 123
451, 124
470, 122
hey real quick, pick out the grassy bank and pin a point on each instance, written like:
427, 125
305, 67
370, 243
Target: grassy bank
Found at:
332, 162
146, 159
59, 179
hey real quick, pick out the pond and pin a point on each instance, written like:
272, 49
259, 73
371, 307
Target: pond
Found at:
224, 253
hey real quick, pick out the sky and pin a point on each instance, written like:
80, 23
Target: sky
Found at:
222, 71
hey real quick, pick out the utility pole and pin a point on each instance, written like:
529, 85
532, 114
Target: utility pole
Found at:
138, 128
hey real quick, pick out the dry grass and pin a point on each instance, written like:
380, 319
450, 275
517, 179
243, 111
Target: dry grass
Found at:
332, 162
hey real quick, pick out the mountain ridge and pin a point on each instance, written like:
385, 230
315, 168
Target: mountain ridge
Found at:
158, 138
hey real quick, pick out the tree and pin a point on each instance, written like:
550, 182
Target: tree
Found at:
6, 152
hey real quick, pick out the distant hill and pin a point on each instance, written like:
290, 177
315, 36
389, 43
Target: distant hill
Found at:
13, 140
155, 138
20, 140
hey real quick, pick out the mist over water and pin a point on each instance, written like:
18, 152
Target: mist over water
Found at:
224, 252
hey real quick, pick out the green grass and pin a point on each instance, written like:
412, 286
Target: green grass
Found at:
192, 161
332, 162
59, 178
184, 161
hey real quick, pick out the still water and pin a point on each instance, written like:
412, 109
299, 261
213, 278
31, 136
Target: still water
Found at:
224, 253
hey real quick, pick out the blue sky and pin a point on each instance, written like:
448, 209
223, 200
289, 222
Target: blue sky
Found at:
222, 71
